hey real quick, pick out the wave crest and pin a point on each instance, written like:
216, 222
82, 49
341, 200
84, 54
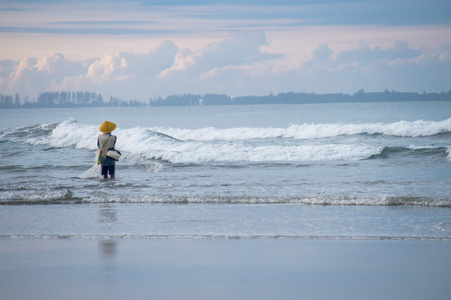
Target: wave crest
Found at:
304, 142
312, 131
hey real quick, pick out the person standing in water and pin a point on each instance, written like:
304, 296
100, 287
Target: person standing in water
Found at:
106, 141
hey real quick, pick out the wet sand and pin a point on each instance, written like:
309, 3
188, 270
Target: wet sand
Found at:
224, 269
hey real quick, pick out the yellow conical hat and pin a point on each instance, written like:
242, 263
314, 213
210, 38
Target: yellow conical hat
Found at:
107, 126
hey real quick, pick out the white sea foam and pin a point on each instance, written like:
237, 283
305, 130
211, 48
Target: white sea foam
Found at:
312, 131
239, 144
67, 134
52, 197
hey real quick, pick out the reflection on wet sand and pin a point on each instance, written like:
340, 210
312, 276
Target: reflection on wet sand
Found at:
107, 248
107, 214
107, 217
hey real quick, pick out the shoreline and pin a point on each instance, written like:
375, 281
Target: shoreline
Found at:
225, 237
229, 222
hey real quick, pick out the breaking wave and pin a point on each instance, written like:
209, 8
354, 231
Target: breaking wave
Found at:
414, 152
304, 142
314, 131
72, 133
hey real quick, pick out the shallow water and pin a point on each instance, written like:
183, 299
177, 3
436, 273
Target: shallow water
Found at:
266, 168
225, 221
326, 201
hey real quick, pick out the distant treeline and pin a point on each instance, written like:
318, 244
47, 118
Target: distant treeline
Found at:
64, 99
89, 99
299, 98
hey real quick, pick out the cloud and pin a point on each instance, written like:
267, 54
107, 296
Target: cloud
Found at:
108, 74
237, 65
366, 55
119, 65
241, 49
6, 68
29, 74
160, 72
218, 67
399, 68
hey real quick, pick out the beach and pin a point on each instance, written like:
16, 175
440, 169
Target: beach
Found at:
224, 251
225, 150
320, 201
224, 269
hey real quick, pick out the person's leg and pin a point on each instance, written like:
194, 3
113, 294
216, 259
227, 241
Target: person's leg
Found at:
104, 171
111, 170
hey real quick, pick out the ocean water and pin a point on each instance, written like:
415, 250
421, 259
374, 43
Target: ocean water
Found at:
319, 171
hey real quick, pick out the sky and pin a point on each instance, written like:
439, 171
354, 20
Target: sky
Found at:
148, 49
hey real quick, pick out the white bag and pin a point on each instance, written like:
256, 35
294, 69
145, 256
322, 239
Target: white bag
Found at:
114, 154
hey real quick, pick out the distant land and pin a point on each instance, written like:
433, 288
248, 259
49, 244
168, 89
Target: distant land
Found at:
91, 99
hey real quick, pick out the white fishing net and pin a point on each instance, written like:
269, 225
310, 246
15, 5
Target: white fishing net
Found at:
94, 171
